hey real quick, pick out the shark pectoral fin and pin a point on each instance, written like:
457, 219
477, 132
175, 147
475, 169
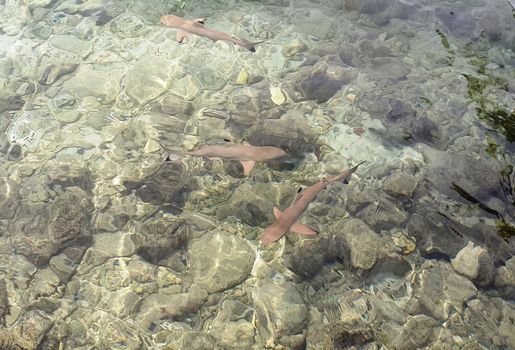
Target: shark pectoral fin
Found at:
247, 166
181, 34
277, 212
302, 229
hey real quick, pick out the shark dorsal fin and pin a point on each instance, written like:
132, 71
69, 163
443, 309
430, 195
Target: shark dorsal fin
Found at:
200, 21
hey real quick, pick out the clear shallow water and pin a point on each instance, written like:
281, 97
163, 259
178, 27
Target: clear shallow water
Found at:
104, 245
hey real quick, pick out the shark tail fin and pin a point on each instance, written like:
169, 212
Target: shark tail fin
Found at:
174, 155
352, 170
251, 45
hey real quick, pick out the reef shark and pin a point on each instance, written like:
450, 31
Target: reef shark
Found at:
288, 220
186, 27
247, 154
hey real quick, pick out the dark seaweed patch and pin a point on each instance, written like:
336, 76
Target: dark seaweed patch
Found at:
505, 230
492, 149
447, 46
499, 118
464, 194
443, 39
503, 121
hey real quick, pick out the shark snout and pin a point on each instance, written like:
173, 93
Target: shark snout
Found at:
171, 21
272, 153
278, 153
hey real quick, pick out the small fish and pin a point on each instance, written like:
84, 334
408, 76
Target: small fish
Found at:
288, 220
247, 154
186, 27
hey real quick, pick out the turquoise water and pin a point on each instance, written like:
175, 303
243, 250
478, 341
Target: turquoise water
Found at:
104, 244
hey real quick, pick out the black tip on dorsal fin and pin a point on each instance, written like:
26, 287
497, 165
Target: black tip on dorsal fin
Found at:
227, 140
357, 165
299, 190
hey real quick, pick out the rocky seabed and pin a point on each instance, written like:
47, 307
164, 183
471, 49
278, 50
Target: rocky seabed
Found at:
104, 245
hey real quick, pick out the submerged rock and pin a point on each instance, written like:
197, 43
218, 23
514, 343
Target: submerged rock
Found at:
10, 102
69, 175
438, 290
400, 185
280, 307
9, 198
288, 135
170, 304
418, 331
342, 318
466, 262
486, 322
363, 243
40, 230
319, 82
155, 240
505, 279
474, 263
100, 81
147, 79
405, 123
405, 244
86, 326
4, 303
465, 178
168, 184
376, 210
251, 103
248, 207
220, 261
233, 327
382, 11
293, 48
180, 336
433, 239
277, 96
307, 256
28, 333
71, 43
56, 64
127, 25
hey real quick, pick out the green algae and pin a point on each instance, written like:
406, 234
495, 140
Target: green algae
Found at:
443, 39
492, 149
503, 121
499, 118
512, 8
505, 230
445, 43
